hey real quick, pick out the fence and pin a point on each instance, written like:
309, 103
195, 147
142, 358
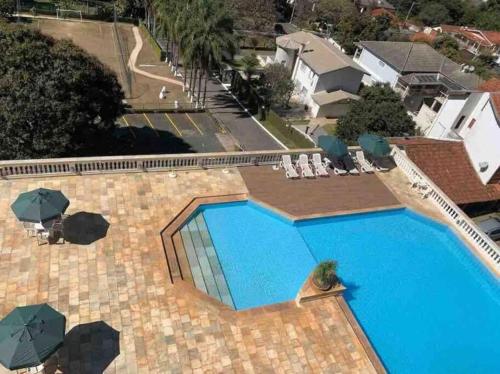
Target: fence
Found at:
463, 223
123, 52
130, 164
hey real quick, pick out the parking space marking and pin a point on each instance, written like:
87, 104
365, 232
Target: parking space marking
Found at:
194, 123
150, 124
128, 126
173, 124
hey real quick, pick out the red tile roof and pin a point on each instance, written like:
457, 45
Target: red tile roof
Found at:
448, 165
493, 86
484, 38
425, 37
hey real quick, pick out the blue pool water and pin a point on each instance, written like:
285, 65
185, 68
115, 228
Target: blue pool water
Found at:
424, 301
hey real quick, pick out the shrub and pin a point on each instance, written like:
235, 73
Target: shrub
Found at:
324, 275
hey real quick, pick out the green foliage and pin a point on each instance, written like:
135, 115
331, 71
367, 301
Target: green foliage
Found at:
379, 111
258, 15
249, 63
277, 85
7, 8
55, 99
324, 274
447, 45
434, 14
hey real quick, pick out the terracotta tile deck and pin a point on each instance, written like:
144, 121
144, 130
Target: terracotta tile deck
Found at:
319, 196
123, 281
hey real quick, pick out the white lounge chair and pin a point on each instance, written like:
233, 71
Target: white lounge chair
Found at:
365, 166
319, 166
379, 166
290, 171
305, 168
337, 169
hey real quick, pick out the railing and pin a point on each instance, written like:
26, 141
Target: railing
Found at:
129, 164
463, 223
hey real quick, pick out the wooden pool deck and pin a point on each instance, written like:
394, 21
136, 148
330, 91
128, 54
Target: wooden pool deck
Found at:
307, 198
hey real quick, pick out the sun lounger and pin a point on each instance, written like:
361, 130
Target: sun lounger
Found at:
319, 166
303, 164
338, 169
350, 165
379, 165
290, 171
363, 163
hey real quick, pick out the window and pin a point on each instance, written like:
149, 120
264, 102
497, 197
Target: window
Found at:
459, 123
471, 123
381, 63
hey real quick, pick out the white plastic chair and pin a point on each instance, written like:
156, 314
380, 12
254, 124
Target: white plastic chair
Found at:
363, 162
290, 171
319, 166
303, 164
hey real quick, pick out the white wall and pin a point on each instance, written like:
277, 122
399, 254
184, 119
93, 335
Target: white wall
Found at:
379, 70
446, 118
285, 57
482, 141
305, 78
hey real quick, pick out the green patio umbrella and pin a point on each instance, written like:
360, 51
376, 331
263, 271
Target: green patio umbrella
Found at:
39, 205
29, 335
375, 145
332, 145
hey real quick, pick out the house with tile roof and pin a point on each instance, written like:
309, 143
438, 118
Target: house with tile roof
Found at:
474, 119
415, 70
474, 40
449, 165
326, 80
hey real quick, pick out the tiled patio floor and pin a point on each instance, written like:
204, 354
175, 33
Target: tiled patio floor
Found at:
123, 281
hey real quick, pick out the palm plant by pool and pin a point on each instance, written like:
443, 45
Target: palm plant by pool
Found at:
375, 145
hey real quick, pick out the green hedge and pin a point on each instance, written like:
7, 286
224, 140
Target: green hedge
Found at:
162, 54
286, 134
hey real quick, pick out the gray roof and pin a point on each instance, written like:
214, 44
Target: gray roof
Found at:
324, 97
375, 4
409, 58
320, 55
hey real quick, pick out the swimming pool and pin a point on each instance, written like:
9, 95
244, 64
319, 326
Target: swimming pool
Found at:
424, 301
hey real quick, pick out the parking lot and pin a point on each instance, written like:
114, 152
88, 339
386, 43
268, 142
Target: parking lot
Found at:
173, 132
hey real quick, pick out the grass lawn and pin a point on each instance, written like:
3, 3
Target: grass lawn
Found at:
330, 128
287, 135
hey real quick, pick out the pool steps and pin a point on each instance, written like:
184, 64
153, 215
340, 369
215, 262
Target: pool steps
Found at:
206, 271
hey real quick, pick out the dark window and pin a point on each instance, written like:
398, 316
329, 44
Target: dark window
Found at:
471, 123
459, 123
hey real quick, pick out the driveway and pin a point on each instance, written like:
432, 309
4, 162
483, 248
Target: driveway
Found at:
240, 124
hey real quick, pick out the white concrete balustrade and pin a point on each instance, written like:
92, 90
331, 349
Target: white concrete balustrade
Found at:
461, 221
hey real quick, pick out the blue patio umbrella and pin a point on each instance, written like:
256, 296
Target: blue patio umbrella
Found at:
332, 145
375, 145
29, 335
39, 205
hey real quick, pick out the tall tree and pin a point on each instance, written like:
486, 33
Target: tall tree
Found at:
379, 111
277, 85
55, 99
257, 15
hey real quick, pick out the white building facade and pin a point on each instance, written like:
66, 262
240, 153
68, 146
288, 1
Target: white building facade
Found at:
475, 120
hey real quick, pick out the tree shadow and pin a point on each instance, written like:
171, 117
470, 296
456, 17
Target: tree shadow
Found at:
88, 348
84, 228
145, 140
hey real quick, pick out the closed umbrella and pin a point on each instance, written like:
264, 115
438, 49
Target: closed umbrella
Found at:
333, 145
39, 205
29, 335
375, 145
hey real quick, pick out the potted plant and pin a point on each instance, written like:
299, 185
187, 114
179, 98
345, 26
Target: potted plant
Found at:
324, 276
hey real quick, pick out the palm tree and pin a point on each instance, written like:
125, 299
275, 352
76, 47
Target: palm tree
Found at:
211, 37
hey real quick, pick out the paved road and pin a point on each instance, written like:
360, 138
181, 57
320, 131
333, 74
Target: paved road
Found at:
240, 124
172, 132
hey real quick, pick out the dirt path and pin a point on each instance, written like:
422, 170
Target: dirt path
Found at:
133, 59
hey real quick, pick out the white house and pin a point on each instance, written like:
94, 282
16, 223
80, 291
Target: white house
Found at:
475, 119
326, 80
415, 70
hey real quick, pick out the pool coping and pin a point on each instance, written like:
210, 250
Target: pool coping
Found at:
178, 279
